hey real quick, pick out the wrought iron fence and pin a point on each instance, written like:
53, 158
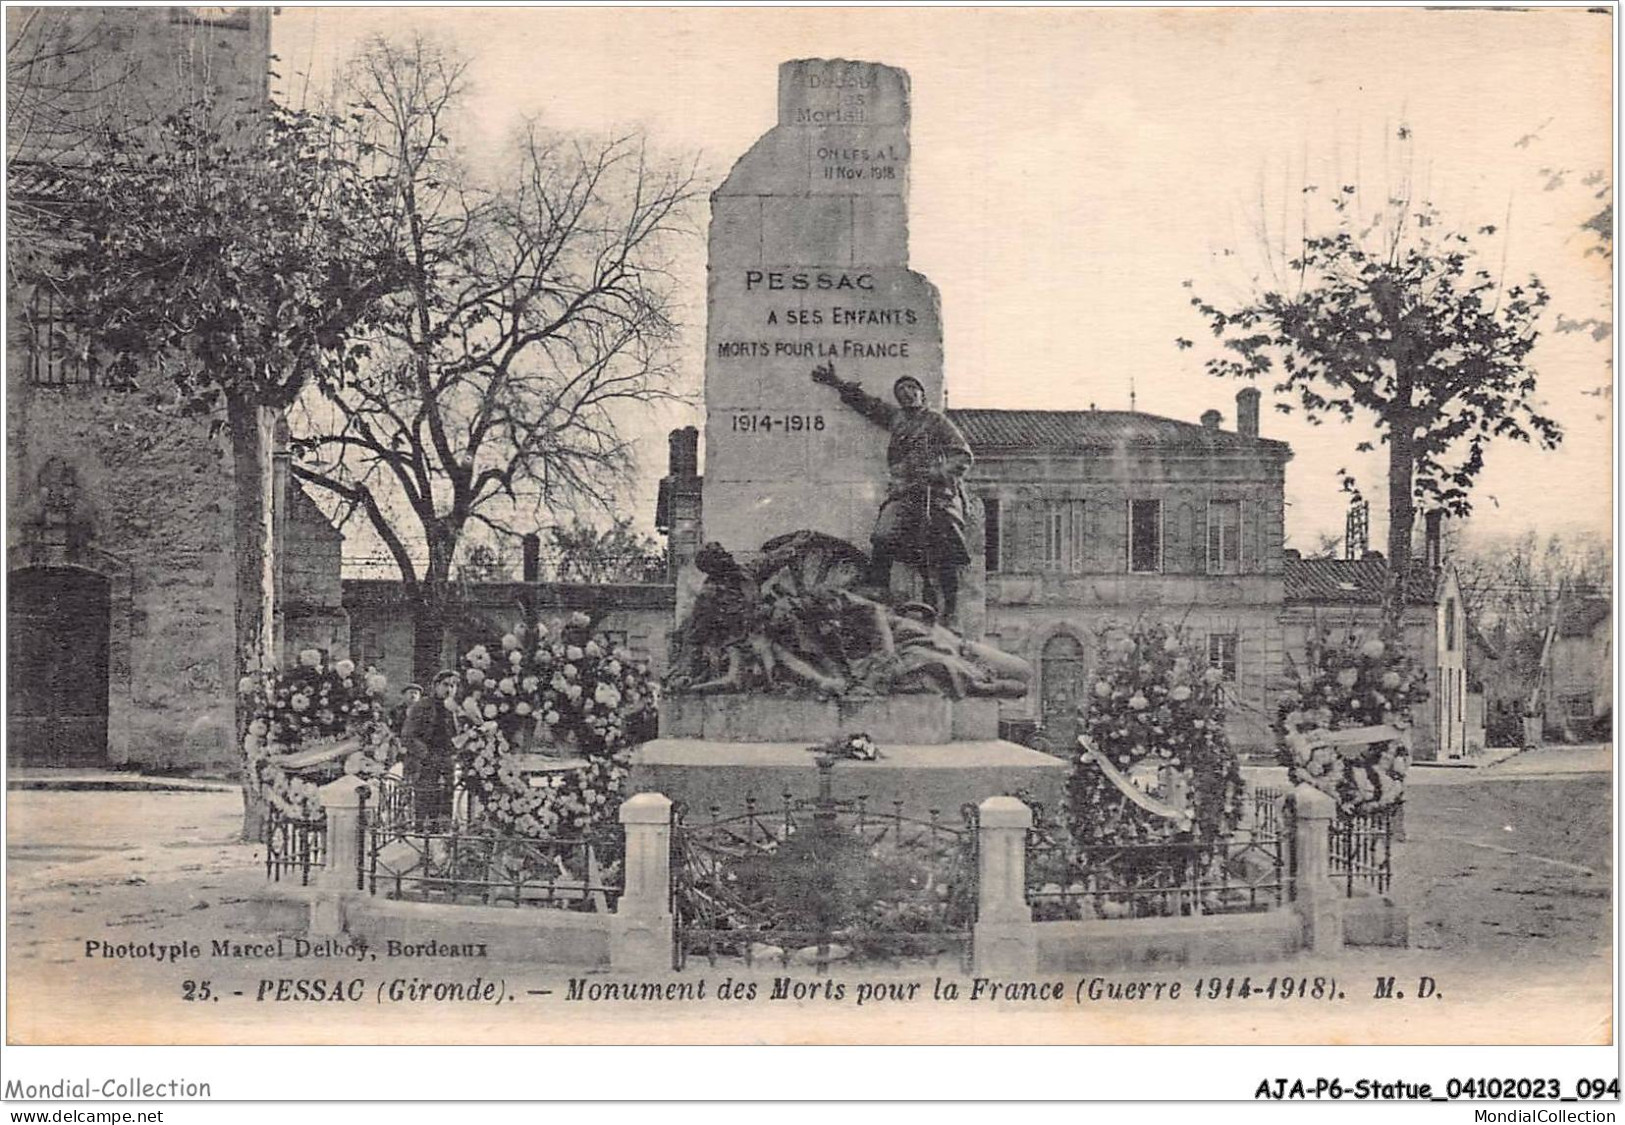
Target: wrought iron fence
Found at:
1243, 873
294, 845
818, 880
1269, 806
451, 864
389, 803
1362, 850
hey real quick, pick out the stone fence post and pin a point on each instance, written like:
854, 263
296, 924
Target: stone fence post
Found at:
1005, 938
337, 882
1318, 902
641, 928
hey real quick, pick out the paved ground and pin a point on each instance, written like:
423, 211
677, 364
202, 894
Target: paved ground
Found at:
1508, 874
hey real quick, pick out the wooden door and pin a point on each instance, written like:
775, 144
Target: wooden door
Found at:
1064, 674
56, 667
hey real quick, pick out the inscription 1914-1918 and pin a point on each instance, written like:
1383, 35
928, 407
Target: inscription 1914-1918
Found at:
748, 422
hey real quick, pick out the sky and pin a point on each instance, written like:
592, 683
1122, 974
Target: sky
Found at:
1073, 168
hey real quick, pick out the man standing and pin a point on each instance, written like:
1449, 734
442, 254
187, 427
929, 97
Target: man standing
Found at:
431, 758
922, 519
397, 716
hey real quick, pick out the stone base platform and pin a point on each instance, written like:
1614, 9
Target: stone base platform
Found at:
914, 719
707, 773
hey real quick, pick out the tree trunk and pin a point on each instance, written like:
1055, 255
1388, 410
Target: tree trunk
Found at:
1401, 517
428, 632
253, 606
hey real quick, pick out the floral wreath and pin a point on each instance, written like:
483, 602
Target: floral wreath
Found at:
314, 701
1156, 762
1352, 684
568, 689
852, 747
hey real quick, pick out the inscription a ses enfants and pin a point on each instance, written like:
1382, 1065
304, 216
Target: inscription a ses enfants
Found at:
835, 315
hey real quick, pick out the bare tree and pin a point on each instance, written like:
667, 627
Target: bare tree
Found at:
537, 309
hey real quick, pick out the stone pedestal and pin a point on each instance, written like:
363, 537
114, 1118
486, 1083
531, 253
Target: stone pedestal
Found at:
706, 773
914, 719
640, 937
1318, 903
1006, 941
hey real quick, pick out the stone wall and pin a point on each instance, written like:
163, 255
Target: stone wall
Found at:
1581, 665
309, 564
154, 504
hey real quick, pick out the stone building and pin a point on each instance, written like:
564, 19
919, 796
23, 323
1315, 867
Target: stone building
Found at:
120, 556
1580, 696
307, 565
1095, 517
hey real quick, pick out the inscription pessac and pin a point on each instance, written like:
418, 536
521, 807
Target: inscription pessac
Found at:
785, 327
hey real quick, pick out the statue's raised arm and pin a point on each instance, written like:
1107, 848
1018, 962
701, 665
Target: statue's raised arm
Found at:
878, 411
922, 519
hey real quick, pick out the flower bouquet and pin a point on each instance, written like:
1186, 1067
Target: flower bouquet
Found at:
851, 747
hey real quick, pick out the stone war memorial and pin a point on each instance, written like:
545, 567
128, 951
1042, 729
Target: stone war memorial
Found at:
816, 326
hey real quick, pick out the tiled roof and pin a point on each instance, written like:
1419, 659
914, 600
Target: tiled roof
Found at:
1352, 582
1581, 615
1069, 430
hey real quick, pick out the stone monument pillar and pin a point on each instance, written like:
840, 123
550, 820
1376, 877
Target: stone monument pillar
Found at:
809, 265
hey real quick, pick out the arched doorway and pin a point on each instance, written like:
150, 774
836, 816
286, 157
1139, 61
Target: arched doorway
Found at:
56, 667
1062, 671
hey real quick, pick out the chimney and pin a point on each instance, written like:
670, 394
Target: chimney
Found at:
1247, 411
1211, 419
532, 545
677, 508
1434, 550
684, 452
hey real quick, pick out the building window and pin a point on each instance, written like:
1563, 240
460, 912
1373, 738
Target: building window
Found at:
1224, 537
1577, 706
1064, 535
1450, 624
1054, 536
55, 358
992, 535
1221, 654
1145, 536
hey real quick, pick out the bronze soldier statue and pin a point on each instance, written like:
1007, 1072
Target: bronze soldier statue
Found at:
922, 519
